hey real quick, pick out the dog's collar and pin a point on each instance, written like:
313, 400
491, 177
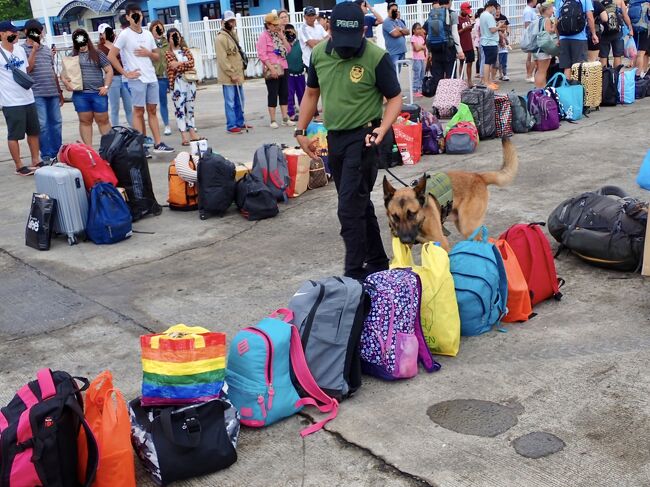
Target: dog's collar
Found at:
439, 186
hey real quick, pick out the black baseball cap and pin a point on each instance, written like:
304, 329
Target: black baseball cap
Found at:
309, 11
492, 3
7, 26
346, 24
33, 24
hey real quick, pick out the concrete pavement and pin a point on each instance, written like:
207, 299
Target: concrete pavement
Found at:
578, 370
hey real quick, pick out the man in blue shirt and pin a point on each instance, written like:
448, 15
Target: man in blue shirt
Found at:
395, 31
370, 20
573, 48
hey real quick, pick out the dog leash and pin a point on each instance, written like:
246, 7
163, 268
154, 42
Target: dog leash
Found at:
398, 179
373, 137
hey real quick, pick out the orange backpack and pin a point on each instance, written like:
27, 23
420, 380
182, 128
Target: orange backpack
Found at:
183, 196
519, 306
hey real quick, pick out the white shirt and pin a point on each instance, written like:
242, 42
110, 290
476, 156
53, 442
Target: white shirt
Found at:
307, 33
11, 93
127, 42
530, 14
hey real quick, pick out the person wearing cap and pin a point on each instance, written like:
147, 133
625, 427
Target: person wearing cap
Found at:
47, 91
17, 102
310, 34
353, 76
465, 25
118, 88
157, 28
231, 74
395, 33
272, 49
443, 40
370, 20
490, 41
324, 20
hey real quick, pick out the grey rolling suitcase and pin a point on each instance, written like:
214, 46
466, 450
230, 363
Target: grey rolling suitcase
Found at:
66, 185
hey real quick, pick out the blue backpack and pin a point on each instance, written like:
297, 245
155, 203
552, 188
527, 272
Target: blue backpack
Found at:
109, 217
638, 13
643, 178
438, 28
481, 283
260, 362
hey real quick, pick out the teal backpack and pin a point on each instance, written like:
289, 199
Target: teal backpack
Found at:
481, 283
261, 360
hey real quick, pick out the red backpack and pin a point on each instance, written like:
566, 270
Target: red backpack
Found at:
93, 168
533, 252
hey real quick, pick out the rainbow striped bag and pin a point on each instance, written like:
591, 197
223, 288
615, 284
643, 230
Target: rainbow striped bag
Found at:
183, 365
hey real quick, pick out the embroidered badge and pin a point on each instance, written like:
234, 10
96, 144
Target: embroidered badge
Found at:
356, 73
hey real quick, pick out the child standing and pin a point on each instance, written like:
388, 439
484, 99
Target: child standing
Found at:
296, 71
419, 57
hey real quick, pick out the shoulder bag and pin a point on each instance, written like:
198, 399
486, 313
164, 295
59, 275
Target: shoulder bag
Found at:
20, 77
243, 55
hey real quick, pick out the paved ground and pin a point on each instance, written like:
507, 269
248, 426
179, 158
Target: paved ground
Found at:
577, 371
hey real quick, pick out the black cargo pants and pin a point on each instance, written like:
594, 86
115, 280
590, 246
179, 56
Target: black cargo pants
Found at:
354, 168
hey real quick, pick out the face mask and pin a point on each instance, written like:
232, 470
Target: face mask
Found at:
393, 14
159, 31
11, 38
136, 18
291, 36
175, 39
346, 52
109, 35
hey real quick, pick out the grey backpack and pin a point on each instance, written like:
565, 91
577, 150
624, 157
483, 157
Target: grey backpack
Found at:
329, 315
480, 101
522, 120
270, 167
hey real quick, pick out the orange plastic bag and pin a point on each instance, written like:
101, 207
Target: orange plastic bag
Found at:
108, 417
519, 305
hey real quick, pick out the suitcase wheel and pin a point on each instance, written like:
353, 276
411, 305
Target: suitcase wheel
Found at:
72, 240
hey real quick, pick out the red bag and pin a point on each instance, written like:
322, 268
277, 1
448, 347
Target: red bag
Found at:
93, 168
503, 115
409, 138
535, 259
519, 306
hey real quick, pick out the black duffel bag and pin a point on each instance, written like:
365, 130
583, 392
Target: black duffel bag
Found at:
254, 200
605, 228
178, 443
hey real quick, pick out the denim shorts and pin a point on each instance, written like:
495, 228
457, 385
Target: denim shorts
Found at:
89, 102
490, 54
144, 94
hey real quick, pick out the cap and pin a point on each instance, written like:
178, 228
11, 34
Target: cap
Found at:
346, 24
466, 6
102, 28
391, 4
492, 3
228, 15
33, 24
309, 11
323, 14
272, 19
7, 26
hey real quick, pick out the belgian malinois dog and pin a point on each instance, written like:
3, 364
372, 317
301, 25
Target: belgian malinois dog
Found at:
414, 215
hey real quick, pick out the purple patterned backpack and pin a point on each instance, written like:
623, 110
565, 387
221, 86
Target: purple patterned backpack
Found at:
392, 340
432, 133
544, 110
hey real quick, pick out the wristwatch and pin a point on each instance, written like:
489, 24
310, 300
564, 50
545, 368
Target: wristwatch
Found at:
299, 132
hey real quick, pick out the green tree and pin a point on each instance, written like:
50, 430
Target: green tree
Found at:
15, 10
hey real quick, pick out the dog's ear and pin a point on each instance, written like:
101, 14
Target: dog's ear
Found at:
420, 190
389, 191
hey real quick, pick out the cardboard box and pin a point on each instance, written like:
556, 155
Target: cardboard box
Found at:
645, 270
241, 169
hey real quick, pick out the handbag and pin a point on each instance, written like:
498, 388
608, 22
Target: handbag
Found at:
547, 42
180, 443
38, 233
20, 77
571, 96
189, 76
503, 112
266, 72
428, 85
317, 174
183, 365
408, 136
72, 71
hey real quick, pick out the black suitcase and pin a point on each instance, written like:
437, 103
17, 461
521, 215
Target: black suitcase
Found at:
415, 111
254, 200
216, 180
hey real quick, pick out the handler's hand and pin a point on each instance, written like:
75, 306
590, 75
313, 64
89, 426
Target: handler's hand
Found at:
304, 143
375, 137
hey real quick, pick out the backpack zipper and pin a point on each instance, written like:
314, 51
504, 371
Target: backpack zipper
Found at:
268, 371
92, 159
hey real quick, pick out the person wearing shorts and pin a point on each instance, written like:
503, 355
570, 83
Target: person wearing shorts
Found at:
613, 41
137, 50
642, 44
573, 48
600, 17
18, 104
542, 59
490, 41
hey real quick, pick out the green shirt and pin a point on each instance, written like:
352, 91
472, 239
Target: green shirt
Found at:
161, 64
294, 58
352, 89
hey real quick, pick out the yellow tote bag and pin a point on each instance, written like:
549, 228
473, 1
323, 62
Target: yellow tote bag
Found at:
439, 310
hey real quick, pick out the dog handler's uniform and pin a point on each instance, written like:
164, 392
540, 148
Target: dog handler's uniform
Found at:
352, 91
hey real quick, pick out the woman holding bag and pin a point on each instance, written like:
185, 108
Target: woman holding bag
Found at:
182, 84
542, 59
272, 50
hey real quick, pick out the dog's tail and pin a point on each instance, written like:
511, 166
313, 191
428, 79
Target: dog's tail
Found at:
509, 169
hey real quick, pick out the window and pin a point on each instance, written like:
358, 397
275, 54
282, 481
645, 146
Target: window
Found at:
211, 10
61, 27
240, 6
168, 15
103, 20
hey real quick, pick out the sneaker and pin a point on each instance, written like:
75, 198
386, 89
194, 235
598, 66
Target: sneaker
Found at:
25, 171
417, 94
168, 130
288, 123
162, 148
505, 78
147, 154
531, 79
148, 142
274, 124
235, 130
295, 118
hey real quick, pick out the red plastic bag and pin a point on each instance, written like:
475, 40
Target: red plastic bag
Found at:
408, 138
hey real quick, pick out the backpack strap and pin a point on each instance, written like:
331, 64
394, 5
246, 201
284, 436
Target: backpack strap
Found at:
425, 357
283, 314
316, 396
480, 230
610, 190
91, 443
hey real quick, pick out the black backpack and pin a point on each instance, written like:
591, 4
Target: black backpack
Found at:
605, 228
610, 86
216, 180
572, 18
123, 148
254, 200
45, 451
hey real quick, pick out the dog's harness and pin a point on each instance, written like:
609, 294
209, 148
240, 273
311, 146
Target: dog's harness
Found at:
439, 186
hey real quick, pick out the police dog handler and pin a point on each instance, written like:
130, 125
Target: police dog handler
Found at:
353, 76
